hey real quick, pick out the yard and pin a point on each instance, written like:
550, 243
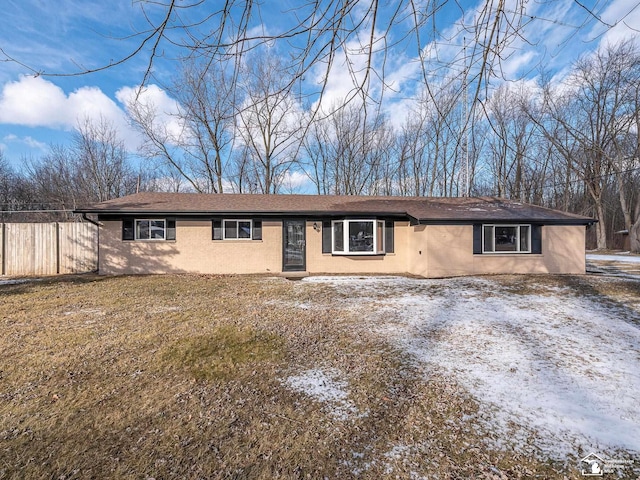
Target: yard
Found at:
330, 377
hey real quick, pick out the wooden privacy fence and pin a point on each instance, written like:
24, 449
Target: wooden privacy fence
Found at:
48, 248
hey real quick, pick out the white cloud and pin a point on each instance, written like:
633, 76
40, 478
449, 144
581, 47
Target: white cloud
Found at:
36, 102
28, 141
623, 15
155, 98
295, 181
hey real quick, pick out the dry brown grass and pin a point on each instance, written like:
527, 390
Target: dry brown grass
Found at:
183, 377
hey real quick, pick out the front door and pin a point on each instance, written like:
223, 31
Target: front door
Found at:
293, 246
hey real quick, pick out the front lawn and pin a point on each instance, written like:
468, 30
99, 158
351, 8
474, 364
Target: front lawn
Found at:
338, 377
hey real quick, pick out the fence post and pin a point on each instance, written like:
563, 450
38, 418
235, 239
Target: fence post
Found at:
57, 248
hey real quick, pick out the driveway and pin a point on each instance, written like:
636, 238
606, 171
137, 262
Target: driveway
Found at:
621, 265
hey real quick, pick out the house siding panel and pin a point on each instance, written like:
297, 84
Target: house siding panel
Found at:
423, 250
193, 251
449, 252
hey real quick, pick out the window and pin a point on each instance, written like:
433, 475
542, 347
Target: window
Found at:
506, 238
149, 229
357, 237
236, 229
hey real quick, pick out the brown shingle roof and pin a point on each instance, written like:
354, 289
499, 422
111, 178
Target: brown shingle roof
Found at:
423, 209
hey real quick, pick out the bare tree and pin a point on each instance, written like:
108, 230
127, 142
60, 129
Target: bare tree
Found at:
100, 166
206, 96
93, 169
269, 126
351, 152
588, 119
514, 159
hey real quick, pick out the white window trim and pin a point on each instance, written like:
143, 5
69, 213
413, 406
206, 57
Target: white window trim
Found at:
237, 238
377, 250
499, 225
164, 229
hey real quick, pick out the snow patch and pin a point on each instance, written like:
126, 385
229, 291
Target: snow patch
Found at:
614, 258
562, 368
12, 282
327, 387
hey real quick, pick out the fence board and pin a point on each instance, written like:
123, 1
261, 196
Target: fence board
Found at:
78, 247
49, 248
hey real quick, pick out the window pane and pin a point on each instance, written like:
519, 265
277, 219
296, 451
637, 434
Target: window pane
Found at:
361, 236
157, 229
230, 229
338, 237
524, 238
142, 229
244, 229
488, 239
506, 239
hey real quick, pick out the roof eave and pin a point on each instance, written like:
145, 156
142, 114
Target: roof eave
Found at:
210, 213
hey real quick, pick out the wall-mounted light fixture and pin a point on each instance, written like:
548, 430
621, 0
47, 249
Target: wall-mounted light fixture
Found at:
316, 227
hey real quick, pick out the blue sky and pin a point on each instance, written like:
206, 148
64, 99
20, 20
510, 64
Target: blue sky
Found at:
67, 36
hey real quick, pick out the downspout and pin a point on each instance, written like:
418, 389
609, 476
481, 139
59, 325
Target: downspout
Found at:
87, 219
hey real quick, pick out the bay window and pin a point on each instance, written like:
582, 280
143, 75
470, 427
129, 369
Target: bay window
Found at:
357, 237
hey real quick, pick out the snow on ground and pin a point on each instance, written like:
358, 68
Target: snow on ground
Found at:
614, 258
13, 281
327, 387
562, 366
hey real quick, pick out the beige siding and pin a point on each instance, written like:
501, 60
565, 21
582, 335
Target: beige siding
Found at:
424, 250
449, 252
193, 251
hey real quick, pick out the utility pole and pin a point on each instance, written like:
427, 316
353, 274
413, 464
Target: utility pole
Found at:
465, 122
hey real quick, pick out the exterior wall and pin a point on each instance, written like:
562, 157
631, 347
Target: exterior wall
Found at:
424, 250
449, 252
193, 251
318, 262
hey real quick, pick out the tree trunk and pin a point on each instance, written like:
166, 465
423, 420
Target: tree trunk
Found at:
623, 201
634, 231
601, 231
634, 237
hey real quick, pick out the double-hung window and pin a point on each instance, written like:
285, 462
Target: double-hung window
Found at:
237, 229
149, 229
357, 237
506, 238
